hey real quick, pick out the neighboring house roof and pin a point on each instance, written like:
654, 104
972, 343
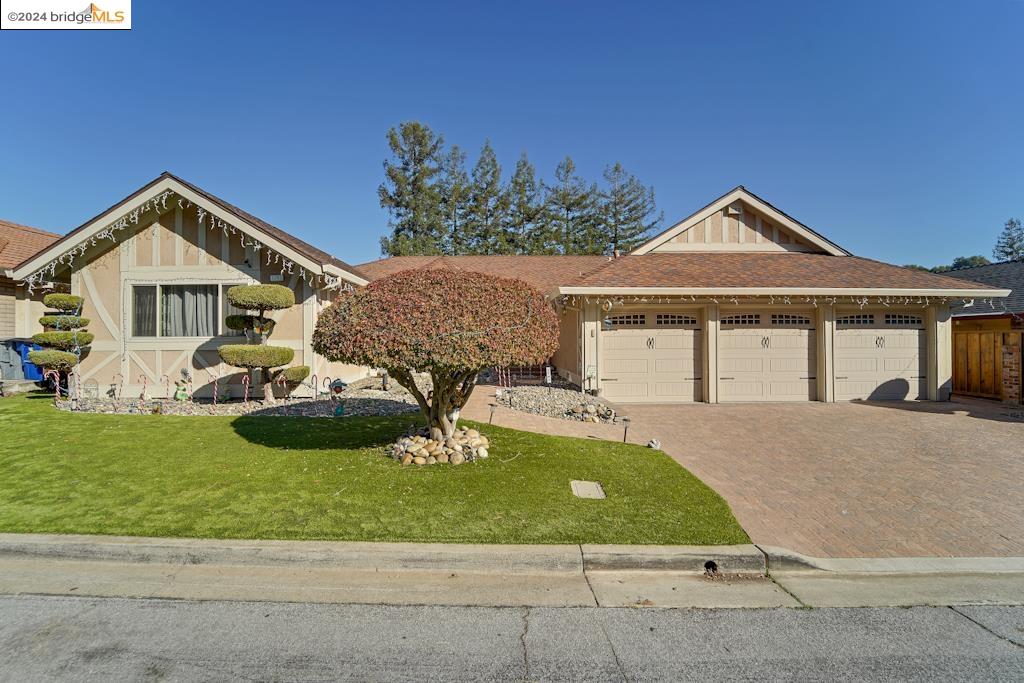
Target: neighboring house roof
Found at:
1007, 275
543, 272
170, 181
19, 242
742, 270
740, 193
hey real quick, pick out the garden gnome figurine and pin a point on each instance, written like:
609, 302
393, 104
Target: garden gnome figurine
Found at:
180, 391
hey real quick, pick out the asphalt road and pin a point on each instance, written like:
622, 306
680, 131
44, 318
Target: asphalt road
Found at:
46, 638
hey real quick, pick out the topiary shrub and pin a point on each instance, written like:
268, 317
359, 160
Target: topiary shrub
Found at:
293, 375
257, 355
69, 303
65, 341
64, 337
63, 322
252, 356
51, 359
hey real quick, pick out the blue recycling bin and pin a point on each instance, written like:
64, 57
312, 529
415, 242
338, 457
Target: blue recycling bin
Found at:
30, 369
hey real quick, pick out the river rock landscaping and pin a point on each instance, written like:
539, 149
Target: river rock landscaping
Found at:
465, 445
565, 403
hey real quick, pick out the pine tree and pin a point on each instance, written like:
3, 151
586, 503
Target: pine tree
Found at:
523, 221
1010, 243
488, 206
570, 212
627, 209
409, 191
454, 189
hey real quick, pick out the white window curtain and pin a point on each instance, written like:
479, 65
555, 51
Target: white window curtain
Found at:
188, 310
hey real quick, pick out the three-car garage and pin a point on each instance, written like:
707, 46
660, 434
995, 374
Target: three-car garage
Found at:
766, 354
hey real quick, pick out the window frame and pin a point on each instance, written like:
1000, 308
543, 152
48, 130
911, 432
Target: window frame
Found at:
222, 285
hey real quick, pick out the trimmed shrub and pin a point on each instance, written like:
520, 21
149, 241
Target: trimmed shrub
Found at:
237, 322
261, 297
259, 325
51, 359
65, 341
63, 322
293, 375
69, 303
254, 356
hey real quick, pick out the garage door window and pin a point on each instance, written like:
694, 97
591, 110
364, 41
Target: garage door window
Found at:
902, 320
674, 320
627, 320
785, 319
753, 319
857, 319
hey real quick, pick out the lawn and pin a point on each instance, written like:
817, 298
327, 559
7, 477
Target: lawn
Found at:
323, 478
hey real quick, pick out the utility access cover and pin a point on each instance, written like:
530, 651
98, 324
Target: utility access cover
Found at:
586, 489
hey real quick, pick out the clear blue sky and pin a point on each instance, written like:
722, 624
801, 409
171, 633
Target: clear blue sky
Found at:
895, 128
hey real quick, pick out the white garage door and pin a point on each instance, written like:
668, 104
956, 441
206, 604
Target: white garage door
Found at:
766, 356
880, 356
652, 357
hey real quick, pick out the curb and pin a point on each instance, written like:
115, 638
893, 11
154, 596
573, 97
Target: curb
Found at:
784, 560
442, 557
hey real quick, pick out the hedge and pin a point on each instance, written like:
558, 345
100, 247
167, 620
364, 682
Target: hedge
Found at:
261, 297
61, 361
253, 356
63, 322
293, 375
63, 340
68, 303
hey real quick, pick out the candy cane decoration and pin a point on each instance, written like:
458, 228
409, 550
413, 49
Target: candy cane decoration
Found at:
245, 387
145, 382
216, 379
167, 386
55, 376
316, 387
283, 383
120, 386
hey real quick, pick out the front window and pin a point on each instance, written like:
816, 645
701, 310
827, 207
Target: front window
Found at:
195, 310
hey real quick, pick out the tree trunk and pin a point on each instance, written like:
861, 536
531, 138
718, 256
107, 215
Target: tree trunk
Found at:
268, 387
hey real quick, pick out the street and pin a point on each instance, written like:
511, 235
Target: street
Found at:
69, 638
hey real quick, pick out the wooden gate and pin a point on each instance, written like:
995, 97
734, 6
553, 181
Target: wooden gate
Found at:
978, 364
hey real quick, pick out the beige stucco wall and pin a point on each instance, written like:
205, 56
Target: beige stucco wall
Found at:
567, 358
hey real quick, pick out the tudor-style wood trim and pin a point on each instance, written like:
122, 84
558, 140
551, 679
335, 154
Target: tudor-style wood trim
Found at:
179, 238
741, 194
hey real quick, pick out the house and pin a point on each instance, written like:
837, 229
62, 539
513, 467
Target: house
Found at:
987, 335
740, 302
737, 302
154, 269
19, 312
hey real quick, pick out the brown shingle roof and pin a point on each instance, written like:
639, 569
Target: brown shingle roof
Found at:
304, 248
543, 272
20, 242
745, 269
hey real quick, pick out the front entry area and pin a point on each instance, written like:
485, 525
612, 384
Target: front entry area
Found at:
766, 356
651, 356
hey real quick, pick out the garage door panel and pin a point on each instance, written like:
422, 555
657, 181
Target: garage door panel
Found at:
875, 360
627, 366
625, 341
656, 361
624, 391
774, 362
739, 390
791, 391
791, 365
728, 365
673, 390
678, 365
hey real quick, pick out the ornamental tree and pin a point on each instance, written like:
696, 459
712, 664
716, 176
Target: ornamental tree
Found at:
449, 323
256, 354
63, 334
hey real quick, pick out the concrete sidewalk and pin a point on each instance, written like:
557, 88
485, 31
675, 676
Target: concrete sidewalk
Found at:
489, 575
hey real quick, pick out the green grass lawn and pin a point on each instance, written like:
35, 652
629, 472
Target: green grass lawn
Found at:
320, 478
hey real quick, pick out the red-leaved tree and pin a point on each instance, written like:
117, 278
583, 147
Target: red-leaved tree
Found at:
450, 323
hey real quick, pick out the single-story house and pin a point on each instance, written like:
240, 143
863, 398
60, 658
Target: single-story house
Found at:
740, 302
737, 302
987, 335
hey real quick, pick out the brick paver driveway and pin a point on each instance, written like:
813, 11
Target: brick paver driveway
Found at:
858, 479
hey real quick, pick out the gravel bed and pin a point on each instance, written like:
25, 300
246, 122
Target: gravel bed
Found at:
568, 404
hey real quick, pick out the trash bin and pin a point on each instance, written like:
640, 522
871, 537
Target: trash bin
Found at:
31, 370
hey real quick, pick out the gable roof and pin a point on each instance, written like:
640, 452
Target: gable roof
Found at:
276, 238
742, 194
706, 272
1006, 275
19, 242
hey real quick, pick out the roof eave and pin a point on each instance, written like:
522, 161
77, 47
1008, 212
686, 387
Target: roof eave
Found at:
784, 291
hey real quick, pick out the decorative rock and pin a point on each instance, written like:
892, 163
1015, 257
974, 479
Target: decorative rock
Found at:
481, 452
578, 410
457, 459
591, 408
443, 458
431, 460
654, 443
407, 458
419, 460
472, 433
